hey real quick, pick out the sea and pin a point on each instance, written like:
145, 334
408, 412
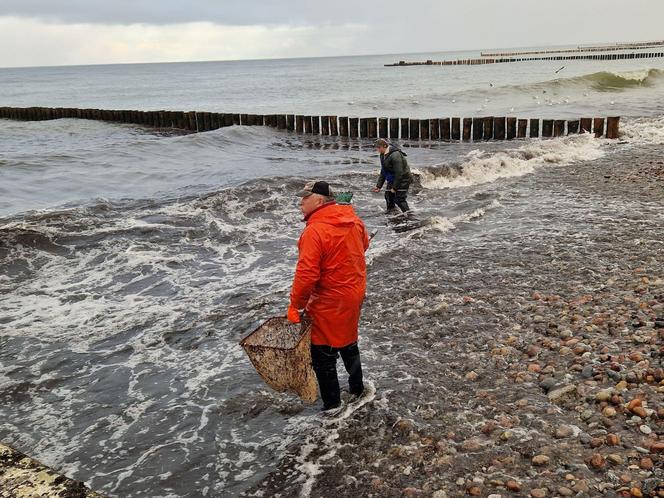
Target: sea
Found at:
134, 260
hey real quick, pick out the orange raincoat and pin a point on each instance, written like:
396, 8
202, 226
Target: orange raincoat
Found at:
331, 275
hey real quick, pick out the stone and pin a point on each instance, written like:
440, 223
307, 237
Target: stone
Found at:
472, 376
411, 492
636, 493
615, 459
538, 493
564, 431
540, 460
474, 491
645, 429
558, 394
639, 411
597, 462
587, 372
547, 383
621, 386
646, 463
603, 395
612, 439
563, 491
609, 412
513, 486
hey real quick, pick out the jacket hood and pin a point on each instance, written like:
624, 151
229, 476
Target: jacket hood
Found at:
333, 214
394, 148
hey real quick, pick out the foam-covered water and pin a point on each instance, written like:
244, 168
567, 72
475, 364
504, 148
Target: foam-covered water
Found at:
133, 262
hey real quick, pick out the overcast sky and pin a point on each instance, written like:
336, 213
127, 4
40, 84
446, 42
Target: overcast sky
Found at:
61, 32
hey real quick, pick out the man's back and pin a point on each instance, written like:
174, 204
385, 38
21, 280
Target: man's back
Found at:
331, 273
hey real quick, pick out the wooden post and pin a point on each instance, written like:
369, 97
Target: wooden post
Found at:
206, 120
511, 128
612, 125
573, 127
434, 129
353, 127
488, 128
394, 128
534, 128
467, 125
281, 121
499, 128
598, 127
308, 124
456, 128
343, 126
215, 123
547, 128
364, 127
334, 129
372, 128
478, 129
382, 128
558, 127
445, 129
243, 119
191, 120
325, 125
236, 119
290, 122
405, 128
228, 120
315, 125
424, 129
522, 126
414, 129
299, 123
586, 125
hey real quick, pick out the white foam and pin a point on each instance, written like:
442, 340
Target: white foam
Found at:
481, 167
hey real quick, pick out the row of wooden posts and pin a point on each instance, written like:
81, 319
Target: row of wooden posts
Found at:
465, 129
598, 48
486, 60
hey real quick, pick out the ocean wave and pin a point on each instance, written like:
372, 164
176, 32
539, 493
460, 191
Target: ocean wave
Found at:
485, 167
602, 81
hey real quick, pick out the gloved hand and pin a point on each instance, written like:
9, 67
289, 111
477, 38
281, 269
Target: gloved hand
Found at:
293, 315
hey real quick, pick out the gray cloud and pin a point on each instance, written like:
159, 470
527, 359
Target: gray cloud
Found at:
232, 12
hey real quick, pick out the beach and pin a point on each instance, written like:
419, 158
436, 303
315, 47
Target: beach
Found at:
515, 352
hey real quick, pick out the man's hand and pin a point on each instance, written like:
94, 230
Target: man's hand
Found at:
293, 315
393, 190
375, 190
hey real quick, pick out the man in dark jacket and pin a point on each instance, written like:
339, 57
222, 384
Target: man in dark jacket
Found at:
393, 169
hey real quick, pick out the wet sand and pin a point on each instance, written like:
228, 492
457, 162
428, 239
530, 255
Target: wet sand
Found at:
528, 366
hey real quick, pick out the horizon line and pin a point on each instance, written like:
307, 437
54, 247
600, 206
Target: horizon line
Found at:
261, 59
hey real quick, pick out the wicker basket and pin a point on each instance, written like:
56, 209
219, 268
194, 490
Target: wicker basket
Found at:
281, 353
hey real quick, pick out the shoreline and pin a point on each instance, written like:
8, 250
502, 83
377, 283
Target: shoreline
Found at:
518, 386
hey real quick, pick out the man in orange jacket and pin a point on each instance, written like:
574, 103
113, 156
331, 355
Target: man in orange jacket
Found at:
330, 283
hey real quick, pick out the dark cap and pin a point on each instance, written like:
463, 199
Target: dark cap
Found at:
321, 188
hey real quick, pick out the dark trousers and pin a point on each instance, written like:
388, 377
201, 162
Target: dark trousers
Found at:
397, 199
324, 361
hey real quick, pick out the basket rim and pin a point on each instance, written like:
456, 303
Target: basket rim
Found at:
305, 327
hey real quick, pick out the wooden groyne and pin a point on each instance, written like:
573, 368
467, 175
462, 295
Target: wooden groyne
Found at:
589, 48
502, 60
23, 477
438, 129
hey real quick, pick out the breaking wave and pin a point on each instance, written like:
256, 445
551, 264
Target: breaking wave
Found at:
484, 167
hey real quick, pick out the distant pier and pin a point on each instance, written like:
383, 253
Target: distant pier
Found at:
432, 129
503, 60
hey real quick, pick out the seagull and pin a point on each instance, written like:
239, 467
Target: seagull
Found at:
453, 101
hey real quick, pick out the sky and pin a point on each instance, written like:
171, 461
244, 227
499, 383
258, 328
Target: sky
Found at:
69, 32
